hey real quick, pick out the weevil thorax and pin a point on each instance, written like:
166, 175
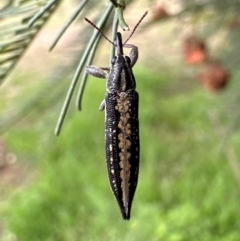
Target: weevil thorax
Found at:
120, 77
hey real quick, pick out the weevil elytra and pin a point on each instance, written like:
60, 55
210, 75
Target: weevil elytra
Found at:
121, 124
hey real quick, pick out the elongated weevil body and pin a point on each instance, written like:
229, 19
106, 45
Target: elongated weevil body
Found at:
121, 123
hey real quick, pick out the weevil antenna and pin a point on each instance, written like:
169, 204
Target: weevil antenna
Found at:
100, 31
143, 16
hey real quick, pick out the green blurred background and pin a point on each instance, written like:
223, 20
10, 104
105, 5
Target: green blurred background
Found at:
56, 188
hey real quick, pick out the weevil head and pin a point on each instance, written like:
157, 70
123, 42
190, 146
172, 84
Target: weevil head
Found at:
120, 77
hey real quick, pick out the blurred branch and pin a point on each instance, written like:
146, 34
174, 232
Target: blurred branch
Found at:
73, 17
16, 36
9, 3
73, 84
45, 9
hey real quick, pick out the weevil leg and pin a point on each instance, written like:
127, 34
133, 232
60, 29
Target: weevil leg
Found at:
102, 106
133, 54
96, 72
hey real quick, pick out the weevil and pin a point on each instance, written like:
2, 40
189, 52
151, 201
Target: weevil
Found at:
121, 124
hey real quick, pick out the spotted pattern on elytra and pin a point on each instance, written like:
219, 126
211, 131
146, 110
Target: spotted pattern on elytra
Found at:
122, 146
124, 143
